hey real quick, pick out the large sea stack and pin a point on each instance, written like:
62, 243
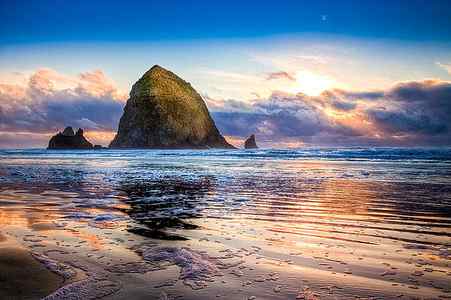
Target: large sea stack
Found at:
165, 112
250, 143
69, 140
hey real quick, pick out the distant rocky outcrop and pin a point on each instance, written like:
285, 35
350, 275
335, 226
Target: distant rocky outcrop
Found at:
250, 143
165, 112
69, 140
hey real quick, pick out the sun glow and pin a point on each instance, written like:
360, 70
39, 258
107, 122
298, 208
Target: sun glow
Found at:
312, 84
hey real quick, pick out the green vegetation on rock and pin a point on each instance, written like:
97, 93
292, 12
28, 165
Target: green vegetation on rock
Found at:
164, 111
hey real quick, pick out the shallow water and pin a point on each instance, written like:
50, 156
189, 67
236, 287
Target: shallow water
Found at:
271, 224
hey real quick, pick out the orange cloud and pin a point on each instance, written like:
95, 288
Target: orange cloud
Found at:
280, 75
415, 112
49, 101
100, 137
97, 84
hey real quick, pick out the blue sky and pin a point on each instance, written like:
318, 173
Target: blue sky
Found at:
293, 72
115, 21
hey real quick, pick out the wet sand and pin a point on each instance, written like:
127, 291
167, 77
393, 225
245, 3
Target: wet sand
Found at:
241, 236
22, 276
2, 237
224, 258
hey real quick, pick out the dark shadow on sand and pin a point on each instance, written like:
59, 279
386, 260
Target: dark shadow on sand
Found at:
22, 277
165, 203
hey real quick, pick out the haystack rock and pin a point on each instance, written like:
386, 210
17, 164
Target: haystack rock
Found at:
165, 112
250, 143
69, 140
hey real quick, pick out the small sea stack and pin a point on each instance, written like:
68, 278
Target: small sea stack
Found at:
250, 143
68, 139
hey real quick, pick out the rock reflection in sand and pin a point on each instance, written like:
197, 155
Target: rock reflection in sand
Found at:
165, 203
132, 226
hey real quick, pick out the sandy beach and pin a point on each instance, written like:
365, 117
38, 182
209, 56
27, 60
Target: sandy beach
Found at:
282, 230
22, 276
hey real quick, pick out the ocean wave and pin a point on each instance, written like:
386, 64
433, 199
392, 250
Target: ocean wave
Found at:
409, 154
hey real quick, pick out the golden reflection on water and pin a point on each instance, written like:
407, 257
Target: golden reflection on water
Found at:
21, 208
93, 240
354, 236
12, 218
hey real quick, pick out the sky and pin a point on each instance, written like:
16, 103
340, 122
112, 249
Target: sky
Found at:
295, 73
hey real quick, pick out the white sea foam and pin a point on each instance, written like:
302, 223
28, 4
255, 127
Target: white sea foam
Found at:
196, 268
90, 288
61, 269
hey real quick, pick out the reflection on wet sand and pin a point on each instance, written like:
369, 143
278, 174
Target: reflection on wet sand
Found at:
164, 204
233, 229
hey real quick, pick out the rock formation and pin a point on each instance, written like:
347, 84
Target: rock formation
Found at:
165, 112
69, 140
250, 142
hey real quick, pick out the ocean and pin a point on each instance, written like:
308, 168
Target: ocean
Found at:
310, 223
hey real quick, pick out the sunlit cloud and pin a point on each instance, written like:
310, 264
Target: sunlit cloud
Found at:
280, 111
50, 101
303, 82
446, 67
312, 84
100, 137
409, 113
281, 75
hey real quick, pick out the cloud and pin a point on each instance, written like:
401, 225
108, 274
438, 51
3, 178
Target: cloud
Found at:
86, 123
406, 122
357, 95
446, 67
14, 140
345, 106
227, 104
281, 117
435, 92
409, 113
50, 101
419, 108
280, 75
